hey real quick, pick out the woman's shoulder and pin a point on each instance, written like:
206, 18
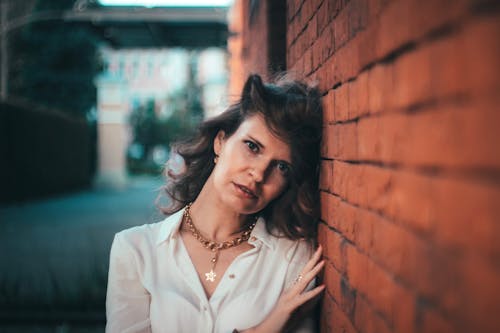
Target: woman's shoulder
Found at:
139, 232
294, 251
150, 233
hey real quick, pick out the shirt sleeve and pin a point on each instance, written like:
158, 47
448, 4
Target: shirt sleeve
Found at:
127, 301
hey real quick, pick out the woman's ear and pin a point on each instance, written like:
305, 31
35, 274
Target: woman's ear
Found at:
219, 142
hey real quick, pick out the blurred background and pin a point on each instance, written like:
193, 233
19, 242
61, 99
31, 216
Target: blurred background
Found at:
93, 92
92, 95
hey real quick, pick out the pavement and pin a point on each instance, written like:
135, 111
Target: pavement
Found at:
55, 253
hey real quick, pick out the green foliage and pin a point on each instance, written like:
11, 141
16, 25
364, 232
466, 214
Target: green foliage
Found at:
55, 62
149, 130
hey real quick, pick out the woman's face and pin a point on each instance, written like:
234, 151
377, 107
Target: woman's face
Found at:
253, 166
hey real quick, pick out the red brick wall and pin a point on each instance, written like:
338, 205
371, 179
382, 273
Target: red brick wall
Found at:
410, 178
247, 44
257, 41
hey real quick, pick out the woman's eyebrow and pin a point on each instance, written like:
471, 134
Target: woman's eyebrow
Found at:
257, 142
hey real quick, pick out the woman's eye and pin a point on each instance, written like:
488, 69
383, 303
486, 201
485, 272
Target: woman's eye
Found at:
252, 146
283, 167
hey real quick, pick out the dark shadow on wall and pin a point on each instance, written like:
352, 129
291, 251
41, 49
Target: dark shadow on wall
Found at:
43, 152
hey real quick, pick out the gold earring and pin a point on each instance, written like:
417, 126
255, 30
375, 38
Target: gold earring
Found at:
216, 159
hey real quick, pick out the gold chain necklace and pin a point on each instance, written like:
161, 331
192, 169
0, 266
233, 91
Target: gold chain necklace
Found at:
214, 246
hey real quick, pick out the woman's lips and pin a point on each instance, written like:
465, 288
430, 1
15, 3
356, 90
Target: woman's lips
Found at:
245, 191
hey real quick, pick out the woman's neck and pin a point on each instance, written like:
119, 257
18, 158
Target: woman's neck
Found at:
214, 220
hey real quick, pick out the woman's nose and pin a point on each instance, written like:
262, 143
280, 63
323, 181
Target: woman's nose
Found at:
259, 170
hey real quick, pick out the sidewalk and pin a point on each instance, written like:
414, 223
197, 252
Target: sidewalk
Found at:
55, 253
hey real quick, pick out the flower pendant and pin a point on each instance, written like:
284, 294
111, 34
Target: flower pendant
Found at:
210, 276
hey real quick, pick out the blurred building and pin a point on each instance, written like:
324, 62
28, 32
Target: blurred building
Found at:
134, 77
212, 77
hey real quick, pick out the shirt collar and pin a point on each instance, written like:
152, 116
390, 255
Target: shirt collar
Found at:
170, 229
260, 233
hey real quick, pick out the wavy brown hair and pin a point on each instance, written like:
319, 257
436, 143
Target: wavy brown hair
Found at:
292, 110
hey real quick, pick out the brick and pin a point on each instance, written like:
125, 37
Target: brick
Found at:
290, 10
307, 11
393, 247
347, 59
426, 17
326, 175
307, 61
377, 136
362, 94
333, 244
330, 69
334, 7
343, 141
327, 314
448, 62
341, 29
398, 250
396, 304
380, 87
329, 107
317, 49
353, 109
358, 16
341, 100
312, 30
403, 196
358, 96
480, 295
433, 322
482, 55
394, 30
412, 78
325, 138
456, 135
340, 321
466, 215
332, 282
323, 18
409, 200
342, 217
367, 320
328, 41
376, 7
366, 41
425, 204
324, 197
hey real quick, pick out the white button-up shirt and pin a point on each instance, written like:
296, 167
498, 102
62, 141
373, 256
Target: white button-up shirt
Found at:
153, 285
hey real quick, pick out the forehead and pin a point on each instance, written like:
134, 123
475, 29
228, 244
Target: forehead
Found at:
255, 127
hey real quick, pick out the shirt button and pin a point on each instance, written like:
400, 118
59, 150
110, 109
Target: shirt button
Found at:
231, 276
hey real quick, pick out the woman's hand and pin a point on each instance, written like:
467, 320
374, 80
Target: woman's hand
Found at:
293, 298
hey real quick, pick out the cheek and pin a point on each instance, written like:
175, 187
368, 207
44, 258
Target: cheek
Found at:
276, 187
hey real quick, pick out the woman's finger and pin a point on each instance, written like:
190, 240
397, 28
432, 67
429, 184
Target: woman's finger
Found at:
312, 262
305, 279
306, 296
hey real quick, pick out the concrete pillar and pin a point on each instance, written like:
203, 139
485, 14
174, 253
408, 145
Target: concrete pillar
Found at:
113, 132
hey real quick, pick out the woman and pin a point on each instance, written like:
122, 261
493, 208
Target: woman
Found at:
236, 254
